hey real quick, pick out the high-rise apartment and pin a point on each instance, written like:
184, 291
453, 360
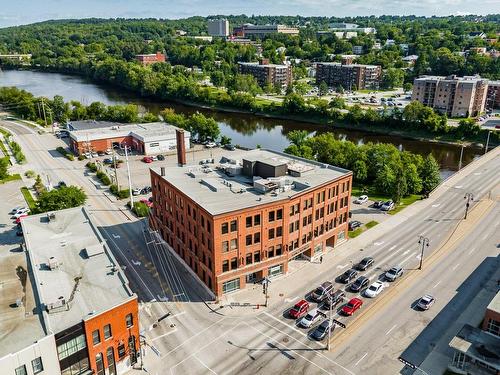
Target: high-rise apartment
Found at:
218, 27
265, 73
349, 76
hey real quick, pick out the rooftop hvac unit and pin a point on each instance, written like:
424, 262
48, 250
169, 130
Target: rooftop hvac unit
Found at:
53, 263
51, 216
55, 305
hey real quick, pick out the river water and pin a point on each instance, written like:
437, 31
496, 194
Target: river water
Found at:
245, 130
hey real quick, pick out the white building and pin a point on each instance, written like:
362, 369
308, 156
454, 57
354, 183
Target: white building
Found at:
218, 27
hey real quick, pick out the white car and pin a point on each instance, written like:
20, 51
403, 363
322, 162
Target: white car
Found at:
426, 302
18, 208
362, 199
308, 320
136, 191
18, 214
374, 289
211, 145
108, 151
387, 206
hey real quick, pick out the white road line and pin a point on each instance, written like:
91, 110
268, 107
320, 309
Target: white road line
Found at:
439, 282
455, 267
165, 334
406, 252
288, 300
359, 360
472, 250
407, 258
286, 324
288, 349
204, 365
342, 266
485, 236
392, 247
192, 337
389, 331
378, 243
436, 205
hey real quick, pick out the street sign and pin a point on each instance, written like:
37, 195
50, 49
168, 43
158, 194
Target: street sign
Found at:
340, 324
409, 364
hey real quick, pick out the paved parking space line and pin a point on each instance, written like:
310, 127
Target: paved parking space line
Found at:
390, 330
471, 251
192, 337
286, 324
165, 334
359, 360
455, 266
307, 346
439, 282
204, 365
408, 258
291, 350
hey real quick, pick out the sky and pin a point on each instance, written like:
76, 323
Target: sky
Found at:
19, 12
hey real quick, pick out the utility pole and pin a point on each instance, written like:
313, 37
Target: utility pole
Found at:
469, 197
43, 109
114, 165
487, 142
424, 241
461, 155
130, 184
265, 288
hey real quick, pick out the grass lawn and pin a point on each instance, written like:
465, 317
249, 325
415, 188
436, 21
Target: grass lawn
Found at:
12, 177
4, 150
28, 198
355, 233
405, 202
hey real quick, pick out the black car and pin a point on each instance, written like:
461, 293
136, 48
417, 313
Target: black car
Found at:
348, 275
146, 190
100, 153
108, 161
322, 291
160, 157
365, 263
322, 330
360, 283
378, 204
19, 232
229, 147
335, 298
61, 184
354, 224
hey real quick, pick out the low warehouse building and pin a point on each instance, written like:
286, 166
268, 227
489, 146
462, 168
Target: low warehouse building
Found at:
95, 136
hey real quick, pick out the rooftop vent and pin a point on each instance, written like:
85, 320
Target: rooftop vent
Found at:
61, 302
53, 263
51, 216
94, 250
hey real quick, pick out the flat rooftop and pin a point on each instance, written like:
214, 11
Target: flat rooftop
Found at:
264, 65
478, 344
347, 65
90, 130
20, 326
221, 186
75, 272
494, 305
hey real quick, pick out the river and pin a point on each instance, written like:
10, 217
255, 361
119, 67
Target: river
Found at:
245, 130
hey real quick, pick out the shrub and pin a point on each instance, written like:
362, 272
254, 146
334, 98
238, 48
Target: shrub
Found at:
103, 177
30, 174
81, 157
140, 209
66, 154
120, 194
91, 166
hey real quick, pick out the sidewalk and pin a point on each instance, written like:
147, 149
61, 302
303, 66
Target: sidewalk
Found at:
333, 260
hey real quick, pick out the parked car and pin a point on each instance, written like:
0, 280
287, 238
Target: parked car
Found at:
362, 199
211, 145
108, 161
378, 204
351, 306
365, 263
425, 302
146, 190
136, 191
394, 273
100, 153
108, 151
360, 283
300, 309
21, 217
230, 147
334, 299
322, 291
147, 159
348, 275
322, 330
147, 202
374, 289
160, 157
387, 206
19, 232
21, 212
15, 209
354, 224
308, 320
61, 184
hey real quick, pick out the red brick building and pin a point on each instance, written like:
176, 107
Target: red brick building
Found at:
152, 58
247, 214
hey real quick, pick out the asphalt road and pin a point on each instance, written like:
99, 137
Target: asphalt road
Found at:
201, 338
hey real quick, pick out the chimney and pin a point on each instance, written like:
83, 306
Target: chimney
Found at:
181, 147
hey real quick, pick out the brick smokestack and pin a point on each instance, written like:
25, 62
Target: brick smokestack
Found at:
181, 147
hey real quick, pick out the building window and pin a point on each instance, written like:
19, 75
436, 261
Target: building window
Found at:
21, 370
271, 233
110, 356
224, 228
256, 220
225, 266
234, 244
279, 214
493, 327
270, 252
37, 365
234, 263
70, 347
256, 256
96, 337
107, 331
248, 239
225, 246
248, 222
234, 225
121, 350
271, 216
231, 285
256, 237
129, 320
249, 259
99, 364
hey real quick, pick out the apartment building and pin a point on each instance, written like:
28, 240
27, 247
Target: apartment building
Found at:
349, 76
78, 314
256, 31
493, 95
265, 73
218, 27
151, 58
244, 215
455, 96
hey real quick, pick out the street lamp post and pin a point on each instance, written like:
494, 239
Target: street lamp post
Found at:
487, 142
469, 197
424, 241
129, 180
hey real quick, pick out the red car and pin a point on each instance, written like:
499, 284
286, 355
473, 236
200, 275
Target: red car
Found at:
353, 305
147, 202
300, 309
147, 159
18, 220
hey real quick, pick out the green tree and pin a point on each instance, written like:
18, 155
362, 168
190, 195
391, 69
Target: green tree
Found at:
322, 88
294, 103
225, 140
297, 137
337, 102
4, 165
429, 174
407, 87
468, 127
59, 199
392, 78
